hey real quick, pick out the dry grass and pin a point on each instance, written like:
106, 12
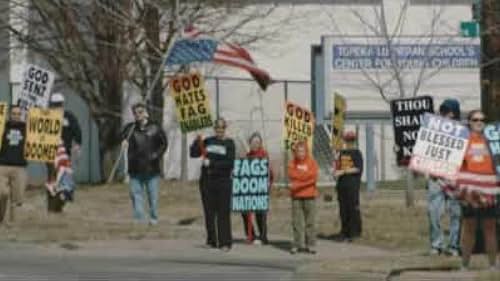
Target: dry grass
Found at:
103, 213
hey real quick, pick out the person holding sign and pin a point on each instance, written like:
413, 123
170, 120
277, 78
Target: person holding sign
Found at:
472, 180
218, 162
303, 173
348, 175
145, 143
13, 176
437, 199
257, 151
71, 140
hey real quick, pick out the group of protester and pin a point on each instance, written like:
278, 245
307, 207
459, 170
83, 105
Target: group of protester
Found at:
146, 142
466, 207
13, 176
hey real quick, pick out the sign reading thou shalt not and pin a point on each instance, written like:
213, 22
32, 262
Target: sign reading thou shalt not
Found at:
191, 102
407, 115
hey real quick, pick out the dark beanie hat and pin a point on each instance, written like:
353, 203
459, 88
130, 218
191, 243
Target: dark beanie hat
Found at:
450, 105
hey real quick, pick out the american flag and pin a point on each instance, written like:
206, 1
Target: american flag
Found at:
193, 47
477, 190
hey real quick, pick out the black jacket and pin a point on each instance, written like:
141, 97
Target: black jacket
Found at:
146, 147
221, 154
71, 131
12, 151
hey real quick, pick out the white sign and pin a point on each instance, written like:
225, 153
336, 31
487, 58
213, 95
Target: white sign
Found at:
440, 147
36, 87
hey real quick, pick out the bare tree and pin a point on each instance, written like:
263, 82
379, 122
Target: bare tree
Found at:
95, 46
398, 80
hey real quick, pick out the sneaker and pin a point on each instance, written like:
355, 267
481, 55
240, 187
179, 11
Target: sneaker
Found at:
453, 252
434, 252
153, 222
294, 250
257, 242
464, 268
311, 251
225, 249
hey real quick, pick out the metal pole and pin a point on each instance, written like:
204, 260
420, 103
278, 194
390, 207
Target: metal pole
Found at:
217, 97
370, 163
286, 149
382, 152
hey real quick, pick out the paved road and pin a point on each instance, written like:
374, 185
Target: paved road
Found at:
31, 262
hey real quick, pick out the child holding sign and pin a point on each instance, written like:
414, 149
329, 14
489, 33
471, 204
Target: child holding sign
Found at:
303, 173
257, 151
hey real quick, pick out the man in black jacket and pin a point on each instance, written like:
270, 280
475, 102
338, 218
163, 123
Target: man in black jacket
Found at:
12, 162
145, 143
218, 154
72, 140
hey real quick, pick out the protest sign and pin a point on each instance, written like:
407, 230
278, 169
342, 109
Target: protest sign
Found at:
43, 134
36, 87
339, 108
440, 147
250, 185
191, 102
298, 126
492, 135
407, 115
3, 119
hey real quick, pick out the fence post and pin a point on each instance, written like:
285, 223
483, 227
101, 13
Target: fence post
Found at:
285, 166
382, 152
370, 163
217, 96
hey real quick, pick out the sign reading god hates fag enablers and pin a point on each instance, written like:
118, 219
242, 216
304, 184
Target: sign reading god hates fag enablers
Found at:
250, 185
43, 134
191, 102
440, 147
298, 126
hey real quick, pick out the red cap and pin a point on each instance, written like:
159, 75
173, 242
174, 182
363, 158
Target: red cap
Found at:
349, 136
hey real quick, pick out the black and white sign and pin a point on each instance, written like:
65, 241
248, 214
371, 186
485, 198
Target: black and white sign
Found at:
36, 87
407, 116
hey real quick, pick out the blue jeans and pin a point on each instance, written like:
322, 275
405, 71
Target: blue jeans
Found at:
436, 204
137, 185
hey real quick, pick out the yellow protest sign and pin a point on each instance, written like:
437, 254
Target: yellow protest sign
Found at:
298, 125
338, 118
3, 119
43, 134
191, 102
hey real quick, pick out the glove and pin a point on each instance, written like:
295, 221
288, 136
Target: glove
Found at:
206, 162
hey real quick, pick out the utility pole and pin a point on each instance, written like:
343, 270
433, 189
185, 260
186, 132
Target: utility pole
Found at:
488, 12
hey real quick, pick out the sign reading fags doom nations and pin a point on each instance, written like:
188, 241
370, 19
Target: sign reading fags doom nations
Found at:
250, 185
43, 134
191, 101
298, 126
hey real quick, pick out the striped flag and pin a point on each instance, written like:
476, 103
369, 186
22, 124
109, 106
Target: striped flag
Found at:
477, 190
196, 48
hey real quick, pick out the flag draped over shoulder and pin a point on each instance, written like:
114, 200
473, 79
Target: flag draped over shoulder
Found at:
477, 190
194, 48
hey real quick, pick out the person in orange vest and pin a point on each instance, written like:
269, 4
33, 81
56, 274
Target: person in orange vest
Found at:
303, 174
478, 166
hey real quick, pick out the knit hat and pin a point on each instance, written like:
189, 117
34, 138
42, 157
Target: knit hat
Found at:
450, 105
